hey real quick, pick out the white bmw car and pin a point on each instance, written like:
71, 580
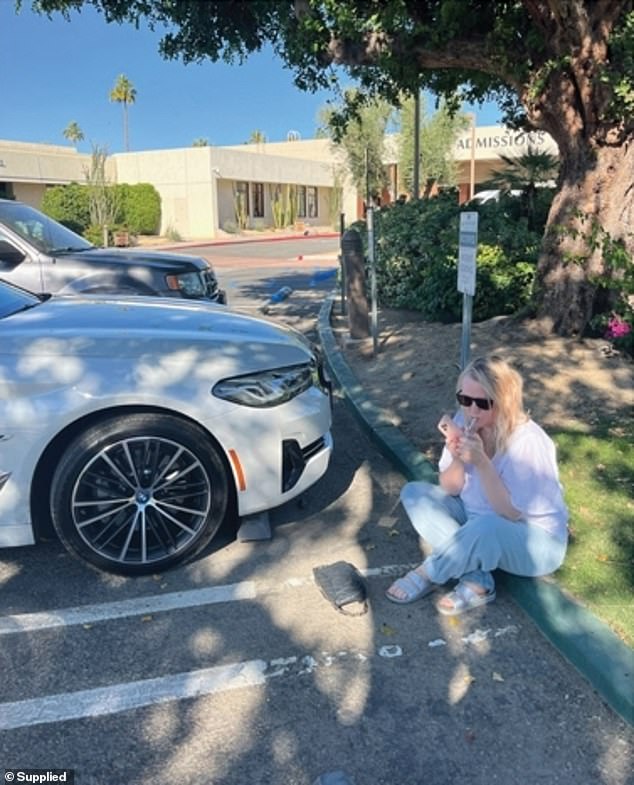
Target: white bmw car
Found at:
132, 423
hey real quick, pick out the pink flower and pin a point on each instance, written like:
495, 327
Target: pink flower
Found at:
617, 328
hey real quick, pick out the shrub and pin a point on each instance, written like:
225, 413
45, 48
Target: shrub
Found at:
417, 257
68, 204
140, 208
173, 234
94, 235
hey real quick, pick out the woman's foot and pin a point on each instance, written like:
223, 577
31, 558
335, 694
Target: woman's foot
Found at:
465, 597
412, 586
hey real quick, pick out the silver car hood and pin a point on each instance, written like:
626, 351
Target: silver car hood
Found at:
143, 327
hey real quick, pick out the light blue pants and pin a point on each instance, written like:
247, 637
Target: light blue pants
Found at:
469, 547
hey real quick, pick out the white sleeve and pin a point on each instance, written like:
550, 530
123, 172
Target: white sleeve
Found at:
445, 461
529, 472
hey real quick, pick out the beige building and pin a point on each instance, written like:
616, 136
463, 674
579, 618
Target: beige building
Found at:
207, 189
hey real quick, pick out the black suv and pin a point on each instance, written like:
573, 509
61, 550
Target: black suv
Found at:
43, 256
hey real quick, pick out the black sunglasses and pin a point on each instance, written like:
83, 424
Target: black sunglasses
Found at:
467, 400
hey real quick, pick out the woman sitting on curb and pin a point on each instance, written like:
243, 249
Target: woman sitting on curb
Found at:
500, 502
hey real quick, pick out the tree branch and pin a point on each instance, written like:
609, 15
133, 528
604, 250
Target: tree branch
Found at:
464, 55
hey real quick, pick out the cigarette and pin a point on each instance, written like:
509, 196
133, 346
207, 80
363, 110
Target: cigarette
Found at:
470, 425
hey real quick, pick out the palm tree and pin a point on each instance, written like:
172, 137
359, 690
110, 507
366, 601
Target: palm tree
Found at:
73, 132
200, 141
525, 173
124, 93
257, 137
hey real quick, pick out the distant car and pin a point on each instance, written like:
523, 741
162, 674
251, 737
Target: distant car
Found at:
44, 256
134, 424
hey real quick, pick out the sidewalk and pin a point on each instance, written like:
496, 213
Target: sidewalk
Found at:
250, 236
588, 644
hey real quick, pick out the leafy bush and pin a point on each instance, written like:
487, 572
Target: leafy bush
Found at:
417, 258
68, 204
94, 235
173, 234
140, 208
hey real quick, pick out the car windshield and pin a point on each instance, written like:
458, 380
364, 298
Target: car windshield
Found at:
38, 229
13, 300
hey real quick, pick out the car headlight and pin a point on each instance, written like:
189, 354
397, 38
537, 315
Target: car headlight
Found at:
266, 388
190, 284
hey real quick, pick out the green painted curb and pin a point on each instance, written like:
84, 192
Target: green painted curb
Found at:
587, 643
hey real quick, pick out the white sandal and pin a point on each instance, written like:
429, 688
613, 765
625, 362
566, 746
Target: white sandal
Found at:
463, 598
413, 585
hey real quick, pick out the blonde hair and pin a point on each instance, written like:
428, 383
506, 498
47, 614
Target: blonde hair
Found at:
504, 386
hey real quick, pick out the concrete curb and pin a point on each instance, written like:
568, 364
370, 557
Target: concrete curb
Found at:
587, 643
243, 241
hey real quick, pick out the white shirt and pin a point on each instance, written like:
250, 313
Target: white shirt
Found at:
528, 469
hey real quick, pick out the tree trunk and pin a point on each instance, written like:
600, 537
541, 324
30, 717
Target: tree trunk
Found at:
596, 197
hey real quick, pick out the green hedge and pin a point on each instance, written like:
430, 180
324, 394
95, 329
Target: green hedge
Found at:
417, 257
68, 204
139, 208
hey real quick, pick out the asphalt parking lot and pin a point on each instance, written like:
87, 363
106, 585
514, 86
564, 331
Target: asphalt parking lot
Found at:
234, 669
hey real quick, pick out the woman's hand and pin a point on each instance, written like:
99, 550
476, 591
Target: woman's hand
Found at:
470, 449
452, 443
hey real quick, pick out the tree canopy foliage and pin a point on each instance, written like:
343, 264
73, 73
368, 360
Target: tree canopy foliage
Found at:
73, 132
363, 141
563, 66
437, 135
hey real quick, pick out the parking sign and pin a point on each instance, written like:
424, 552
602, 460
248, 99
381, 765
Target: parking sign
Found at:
467, 252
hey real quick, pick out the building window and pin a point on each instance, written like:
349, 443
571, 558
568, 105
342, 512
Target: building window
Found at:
301, 201
6, 191
311, 202
258, 200
242, 197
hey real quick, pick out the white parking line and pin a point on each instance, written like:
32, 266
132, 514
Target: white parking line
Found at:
89, 614
126, 696
132, 695
139, 606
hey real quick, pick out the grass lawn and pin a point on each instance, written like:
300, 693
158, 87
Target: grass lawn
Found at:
597, 471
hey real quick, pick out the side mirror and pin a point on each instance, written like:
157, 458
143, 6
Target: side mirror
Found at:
10, 256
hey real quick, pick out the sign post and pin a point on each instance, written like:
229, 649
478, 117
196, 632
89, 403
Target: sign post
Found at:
371, 258
467, 253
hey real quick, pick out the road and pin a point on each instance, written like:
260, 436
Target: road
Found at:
234, 670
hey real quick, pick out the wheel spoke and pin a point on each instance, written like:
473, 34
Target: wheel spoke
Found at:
114, 529
103, 502
171, 518
102, 516
124, 548
105, 457
165, 469
177, 477
135, 474
161, 504
160, 530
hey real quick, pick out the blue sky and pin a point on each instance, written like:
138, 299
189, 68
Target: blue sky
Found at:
53, 71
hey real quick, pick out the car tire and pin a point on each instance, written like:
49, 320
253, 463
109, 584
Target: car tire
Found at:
137, 494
